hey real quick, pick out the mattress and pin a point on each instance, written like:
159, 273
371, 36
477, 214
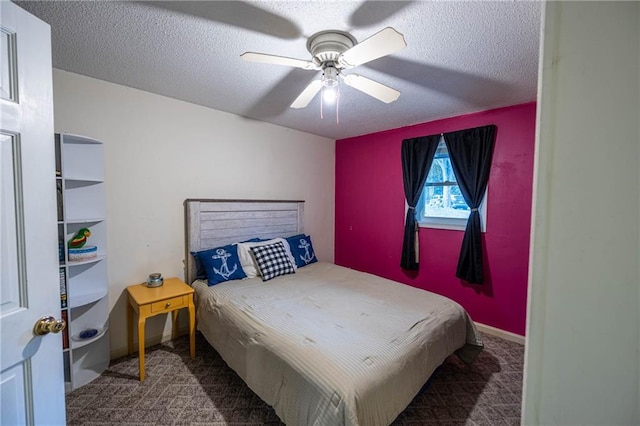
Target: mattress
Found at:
332, 346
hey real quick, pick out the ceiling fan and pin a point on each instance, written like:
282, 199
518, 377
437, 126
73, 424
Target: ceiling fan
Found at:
332, 52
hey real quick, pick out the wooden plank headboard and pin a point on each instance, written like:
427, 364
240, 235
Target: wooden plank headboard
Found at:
214, 223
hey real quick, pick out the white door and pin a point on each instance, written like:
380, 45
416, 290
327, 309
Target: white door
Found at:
31, 367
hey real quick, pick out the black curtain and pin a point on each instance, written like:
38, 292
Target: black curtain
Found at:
471, 152
417, 156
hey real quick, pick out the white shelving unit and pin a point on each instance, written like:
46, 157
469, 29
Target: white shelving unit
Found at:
81, 204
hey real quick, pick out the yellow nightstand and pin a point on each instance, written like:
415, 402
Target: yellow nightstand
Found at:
150, 301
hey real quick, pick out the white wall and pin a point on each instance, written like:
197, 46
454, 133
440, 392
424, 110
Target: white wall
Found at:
160, 151
582, 354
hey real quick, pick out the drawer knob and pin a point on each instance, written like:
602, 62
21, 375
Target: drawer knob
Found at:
167, 305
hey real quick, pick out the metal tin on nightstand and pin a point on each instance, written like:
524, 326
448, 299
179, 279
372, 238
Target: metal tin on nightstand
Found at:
155, 280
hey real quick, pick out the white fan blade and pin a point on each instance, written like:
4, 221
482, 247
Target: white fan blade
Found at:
378, 45
307, 94
372, 88
278, 60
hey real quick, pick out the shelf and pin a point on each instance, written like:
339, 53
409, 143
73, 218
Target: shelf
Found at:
84, 200
98, 238
85, 299
82, 159
86, 285
91, 315
90, 360
78, 181
98, 258
81, 204
79, 139
85, 220
77, 344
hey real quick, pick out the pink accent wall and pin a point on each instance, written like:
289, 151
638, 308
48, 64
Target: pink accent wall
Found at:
369, 219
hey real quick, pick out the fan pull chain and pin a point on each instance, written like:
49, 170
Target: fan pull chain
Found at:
321, 103
338, 106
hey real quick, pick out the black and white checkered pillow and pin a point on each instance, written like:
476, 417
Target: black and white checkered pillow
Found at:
272, 260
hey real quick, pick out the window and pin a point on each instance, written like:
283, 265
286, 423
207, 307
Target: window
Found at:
441, 204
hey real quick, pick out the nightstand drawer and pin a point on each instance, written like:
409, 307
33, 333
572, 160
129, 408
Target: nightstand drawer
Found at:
172, 303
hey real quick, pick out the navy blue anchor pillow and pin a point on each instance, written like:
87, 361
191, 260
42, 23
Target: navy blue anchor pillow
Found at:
221, 264
302, 250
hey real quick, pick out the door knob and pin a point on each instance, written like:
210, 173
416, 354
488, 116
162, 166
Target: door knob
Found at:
48, 324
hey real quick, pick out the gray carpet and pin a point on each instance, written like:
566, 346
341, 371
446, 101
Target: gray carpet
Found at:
181, 391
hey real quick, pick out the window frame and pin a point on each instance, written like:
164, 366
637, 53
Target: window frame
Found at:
450, 223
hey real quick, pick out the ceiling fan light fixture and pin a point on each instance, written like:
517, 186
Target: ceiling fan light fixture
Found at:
329, 94
330, 76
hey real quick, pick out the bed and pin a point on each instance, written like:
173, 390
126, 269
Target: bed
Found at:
325, 345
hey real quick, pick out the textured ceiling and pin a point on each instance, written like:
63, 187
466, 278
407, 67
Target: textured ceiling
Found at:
461, 56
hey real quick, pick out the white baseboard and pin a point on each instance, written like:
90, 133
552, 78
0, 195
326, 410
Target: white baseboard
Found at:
507, 335
149, 341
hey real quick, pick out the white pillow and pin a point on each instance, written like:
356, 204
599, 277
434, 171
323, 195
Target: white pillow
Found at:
246, 259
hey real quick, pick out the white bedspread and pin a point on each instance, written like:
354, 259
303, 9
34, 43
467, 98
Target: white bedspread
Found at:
332, 346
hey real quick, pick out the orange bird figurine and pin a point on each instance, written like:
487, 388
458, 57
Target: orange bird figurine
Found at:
80, 239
